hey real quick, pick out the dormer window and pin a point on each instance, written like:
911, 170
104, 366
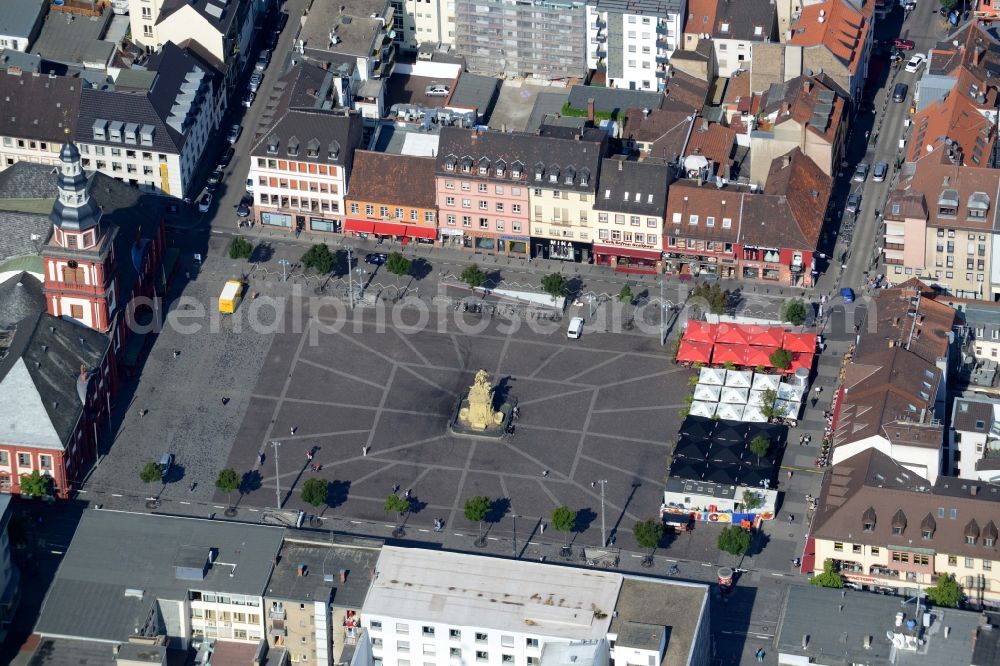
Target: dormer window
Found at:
499, 172
971, 533
584, 177
312, 148
272, 145
449, 166
948, 203
978, 205
333, 150
607, 194
293, 147
898, 523
724, 28
100, 130
868, 519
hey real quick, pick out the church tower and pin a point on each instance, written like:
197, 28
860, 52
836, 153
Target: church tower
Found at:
79, 257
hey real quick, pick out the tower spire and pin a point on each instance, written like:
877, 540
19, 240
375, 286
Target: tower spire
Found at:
74, 210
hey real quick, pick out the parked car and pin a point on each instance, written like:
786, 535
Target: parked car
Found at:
904, 44
215, 178
375, 258
166, 462
847, 294
227, 157
234, 133
575, 329
246, 203
255, 80
914, 63
272, 40
280, 22
899, 92
249, 98
205, 202
437, 90
249, 186
880, 171
861, 173
854, 202
264, 59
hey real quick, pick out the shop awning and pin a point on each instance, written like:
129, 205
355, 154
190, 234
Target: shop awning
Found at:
359, 226
632, 253
416, 231
390, 229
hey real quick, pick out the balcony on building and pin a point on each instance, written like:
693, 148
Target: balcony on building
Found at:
848, 566
277, 614
661, 71
277, 628
883, 571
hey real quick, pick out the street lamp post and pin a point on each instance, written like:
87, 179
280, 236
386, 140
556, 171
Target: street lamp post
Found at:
590, 307
284, 269
513, 515
604, 534
277, 476
350, 270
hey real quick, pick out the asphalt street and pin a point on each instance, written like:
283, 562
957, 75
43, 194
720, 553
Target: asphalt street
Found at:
887, 127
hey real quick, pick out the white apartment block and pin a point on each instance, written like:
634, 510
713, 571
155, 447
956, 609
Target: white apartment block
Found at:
632, 40
431, 607
974, 438
426, 22
151, 130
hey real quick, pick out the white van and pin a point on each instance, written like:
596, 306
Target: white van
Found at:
250, 185
575, 329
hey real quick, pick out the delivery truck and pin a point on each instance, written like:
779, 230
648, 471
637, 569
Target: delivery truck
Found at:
230, 297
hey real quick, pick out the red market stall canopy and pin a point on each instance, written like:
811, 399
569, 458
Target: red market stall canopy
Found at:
759, 356
695, 352
729, 354
800, 342
700, 331
800, 360
733, 334
765, 336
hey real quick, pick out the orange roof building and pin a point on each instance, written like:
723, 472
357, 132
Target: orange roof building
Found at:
835, 37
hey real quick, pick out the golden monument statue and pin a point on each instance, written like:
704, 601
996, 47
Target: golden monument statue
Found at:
477, 411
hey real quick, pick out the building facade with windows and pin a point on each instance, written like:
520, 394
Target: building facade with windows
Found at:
314, 598
887, 528
950, 212
543, 39
394, 196
518, 193
974, 438
152, 127
177, 578
630, 208
737, 232
631, 42
299, 170
35, 132
563, 187
55, 380
435, 608
222, 30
